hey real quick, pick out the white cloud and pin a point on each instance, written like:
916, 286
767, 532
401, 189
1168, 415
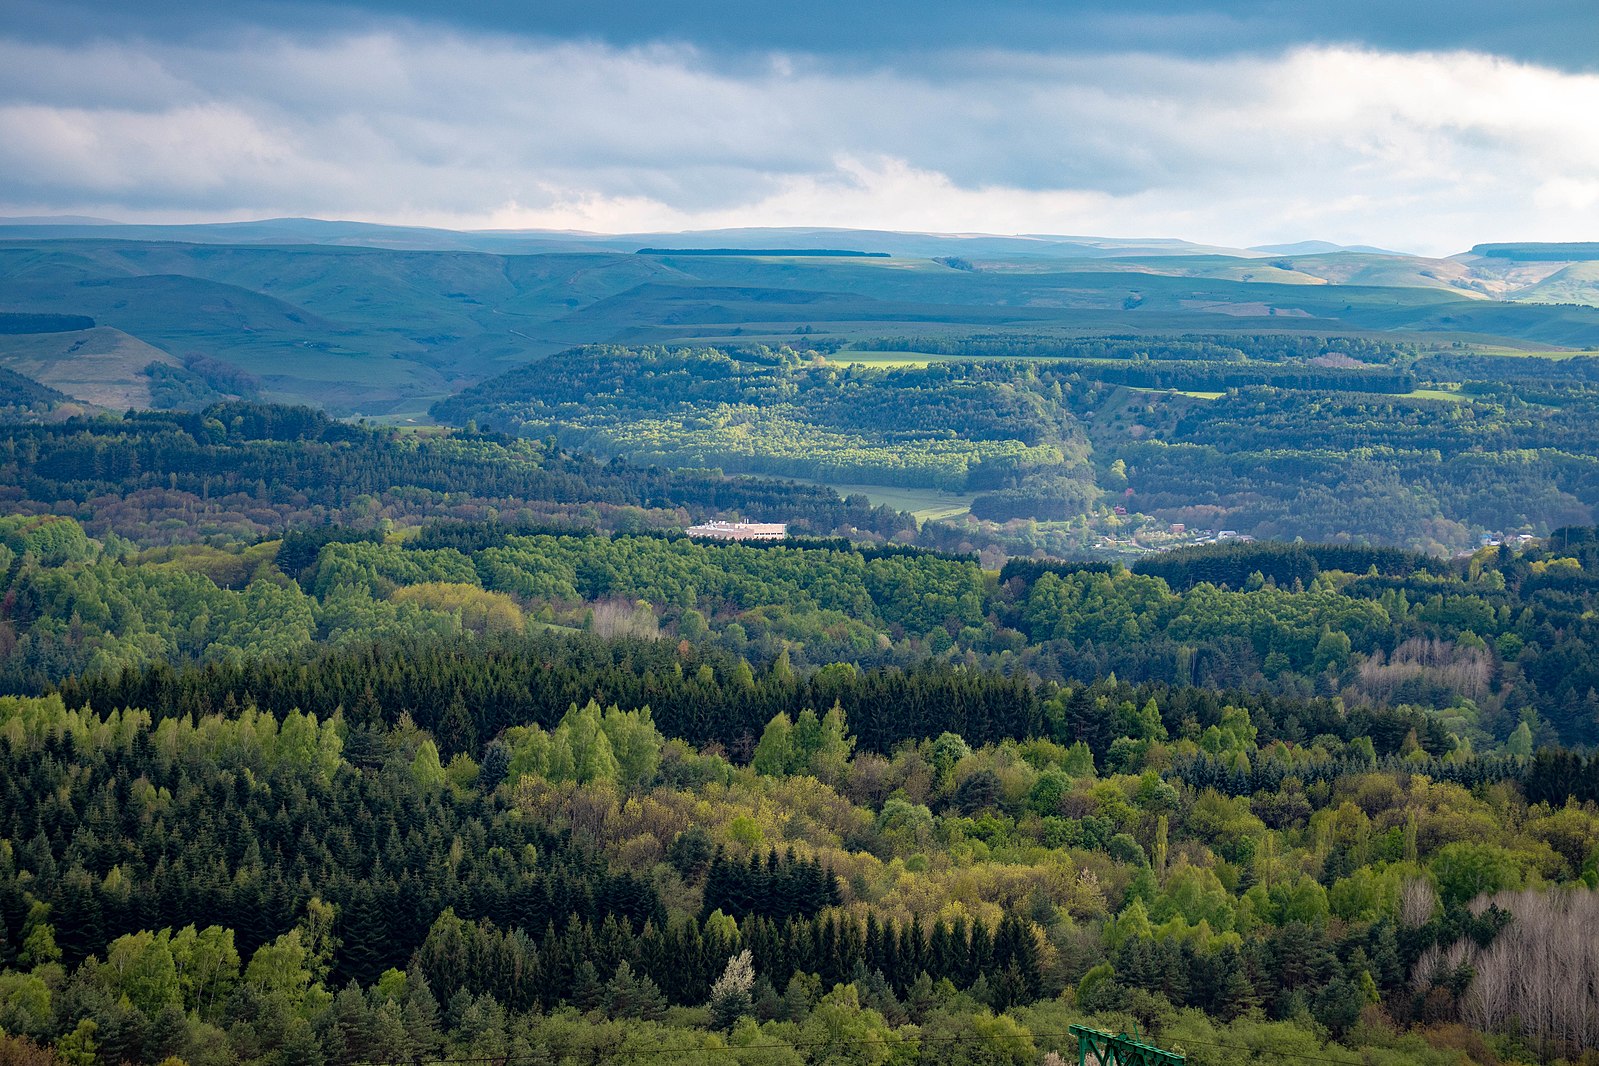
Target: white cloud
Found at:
1431, 151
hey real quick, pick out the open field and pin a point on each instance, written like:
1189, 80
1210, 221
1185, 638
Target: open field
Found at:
1538, 351
888, 359
101, 366
921, 359
926, 505
1193, 394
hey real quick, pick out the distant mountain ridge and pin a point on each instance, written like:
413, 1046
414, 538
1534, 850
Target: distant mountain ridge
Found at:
1536, 252
795, 238
366, 319
1319, 248
56, 220
752, 239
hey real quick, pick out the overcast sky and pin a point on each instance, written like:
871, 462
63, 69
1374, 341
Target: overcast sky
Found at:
1412, 124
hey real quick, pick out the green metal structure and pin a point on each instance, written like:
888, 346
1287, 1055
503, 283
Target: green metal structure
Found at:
1096, 1048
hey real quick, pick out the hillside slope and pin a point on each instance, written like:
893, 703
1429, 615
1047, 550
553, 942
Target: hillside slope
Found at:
387, 331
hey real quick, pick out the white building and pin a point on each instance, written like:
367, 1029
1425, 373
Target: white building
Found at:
740, 530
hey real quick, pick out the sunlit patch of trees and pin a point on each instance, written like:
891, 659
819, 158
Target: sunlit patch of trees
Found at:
603, 885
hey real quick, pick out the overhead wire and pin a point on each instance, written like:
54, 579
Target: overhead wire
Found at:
945, 1041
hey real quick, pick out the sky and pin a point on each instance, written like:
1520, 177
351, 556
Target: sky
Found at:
1421, 125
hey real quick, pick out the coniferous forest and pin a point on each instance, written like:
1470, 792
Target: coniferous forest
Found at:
327, 743
731, 533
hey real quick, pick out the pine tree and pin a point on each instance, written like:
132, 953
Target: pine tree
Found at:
797, 999
421, 1013
587, 992
456, 732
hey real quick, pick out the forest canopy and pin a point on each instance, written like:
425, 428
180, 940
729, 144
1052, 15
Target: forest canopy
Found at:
333, 744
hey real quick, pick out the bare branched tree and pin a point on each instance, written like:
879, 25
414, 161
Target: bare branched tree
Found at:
1417, 901
1540, 975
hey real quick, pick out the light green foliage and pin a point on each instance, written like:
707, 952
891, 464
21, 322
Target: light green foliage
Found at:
48, 540
581, 749
78, 1048
382, 568
1196, 895
281, 968
1226, 824
979, 1038
140, 966
306, 745
1366, 895
1221, 884
1301, 899
839, 1030
1332, 651
1079, 761
462, 772
391, 985
1106, 607
1466, 870
1234, 733
426, 768
251, 740
759, 411
1155, 795
819, 747
207, 966
1141, 723
911, 825
39, 946
635, 745
774, 754
1286, 898
350, 614
479, 611
829, 760
1127, 607
25, 1000
589, 745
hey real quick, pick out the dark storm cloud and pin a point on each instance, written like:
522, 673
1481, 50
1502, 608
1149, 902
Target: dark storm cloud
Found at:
1238, 124
1559, 33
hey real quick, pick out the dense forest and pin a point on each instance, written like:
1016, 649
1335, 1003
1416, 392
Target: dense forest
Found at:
240, 469
1501, 641
22, 397
1506, 637
1328, 439
234, 883
328, 744
782, 412
1214, 348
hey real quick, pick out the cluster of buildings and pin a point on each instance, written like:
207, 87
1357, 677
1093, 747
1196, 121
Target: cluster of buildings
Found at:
1152, 538
740, 530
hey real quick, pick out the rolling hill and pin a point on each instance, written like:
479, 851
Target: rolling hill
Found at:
384, 321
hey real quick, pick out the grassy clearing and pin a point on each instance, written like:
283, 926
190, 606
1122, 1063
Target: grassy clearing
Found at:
1517, 352
552, 627
1453, 395
888, 359
1177, 392
100, 365
923, 504
921, 359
